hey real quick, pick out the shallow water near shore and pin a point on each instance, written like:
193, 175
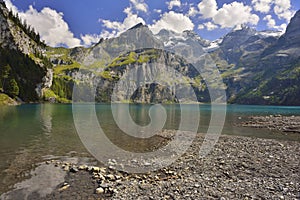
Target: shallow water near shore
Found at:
31, 134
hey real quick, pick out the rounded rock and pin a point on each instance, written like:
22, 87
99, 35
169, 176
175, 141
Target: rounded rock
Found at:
99, 190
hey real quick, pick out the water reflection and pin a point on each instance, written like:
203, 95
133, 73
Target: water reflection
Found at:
46, 112
44, 179
31, 133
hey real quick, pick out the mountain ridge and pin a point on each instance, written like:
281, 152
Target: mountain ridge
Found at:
250, 63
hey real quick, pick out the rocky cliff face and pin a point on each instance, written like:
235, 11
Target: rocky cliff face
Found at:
171, 39
13, 35
152, 76
21, 50
292, 34
270, 73
257, 67
138, 37
142, 59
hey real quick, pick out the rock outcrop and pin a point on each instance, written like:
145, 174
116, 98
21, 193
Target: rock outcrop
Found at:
21, 50
138, 66
250, 63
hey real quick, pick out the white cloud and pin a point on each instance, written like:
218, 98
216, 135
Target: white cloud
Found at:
234, 14
140, 5
119, 27
173, 3
128, 10
210, 26
282, 27
283, 10
192, 12
271, 23
107, 34
50, 25
283, 4
89, 39
208, 8
229, 15
157, 11
171, 20
201, 26
11, 6
176, 22
262, 6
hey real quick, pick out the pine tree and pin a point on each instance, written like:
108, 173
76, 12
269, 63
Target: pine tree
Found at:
12, 88
4, 74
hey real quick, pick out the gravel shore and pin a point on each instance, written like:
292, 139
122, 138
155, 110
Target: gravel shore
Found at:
287, 124
237, 168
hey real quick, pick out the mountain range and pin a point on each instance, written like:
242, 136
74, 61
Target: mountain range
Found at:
256, 67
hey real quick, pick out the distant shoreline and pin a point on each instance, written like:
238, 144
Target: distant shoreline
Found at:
133, 103
286, 124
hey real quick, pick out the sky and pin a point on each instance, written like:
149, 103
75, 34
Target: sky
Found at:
81, 23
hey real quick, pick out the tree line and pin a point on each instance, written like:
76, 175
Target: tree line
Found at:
30, 31
19, 75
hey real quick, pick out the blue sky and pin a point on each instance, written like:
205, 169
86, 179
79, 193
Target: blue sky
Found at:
76, 22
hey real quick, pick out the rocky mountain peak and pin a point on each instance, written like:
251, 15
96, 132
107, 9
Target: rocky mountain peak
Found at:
165, 33
237, 36
137, 37
242, 30
196, 37
292, 33
139, 25
241, 27
171, 38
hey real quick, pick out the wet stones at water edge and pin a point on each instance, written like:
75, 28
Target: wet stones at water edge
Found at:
108, 179
237, 168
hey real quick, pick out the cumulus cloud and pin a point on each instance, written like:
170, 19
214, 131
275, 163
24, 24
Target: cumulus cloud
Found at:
229, 15
173, 3
234, 14
139, 5
11, 6
50, 25
176, 22
115, 28
201, 26
283, 9
208, 8
108, 34
262, 6
119, 27
192, 12
271, 23
89, 39
282, 27
210, 26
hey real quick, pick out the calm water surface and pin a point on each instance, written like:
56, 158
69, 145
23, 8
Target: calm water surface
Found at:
30, 134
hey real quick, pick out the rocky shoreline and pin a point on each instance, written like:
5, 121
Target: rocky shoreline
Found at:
287, 124
237, 168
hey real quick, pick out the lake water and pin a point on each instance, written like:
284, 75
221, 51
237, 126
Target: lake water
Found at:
30, 134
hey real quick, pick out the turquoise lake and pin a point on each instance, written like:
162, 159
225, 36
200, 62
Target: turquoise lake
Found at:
30, 134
